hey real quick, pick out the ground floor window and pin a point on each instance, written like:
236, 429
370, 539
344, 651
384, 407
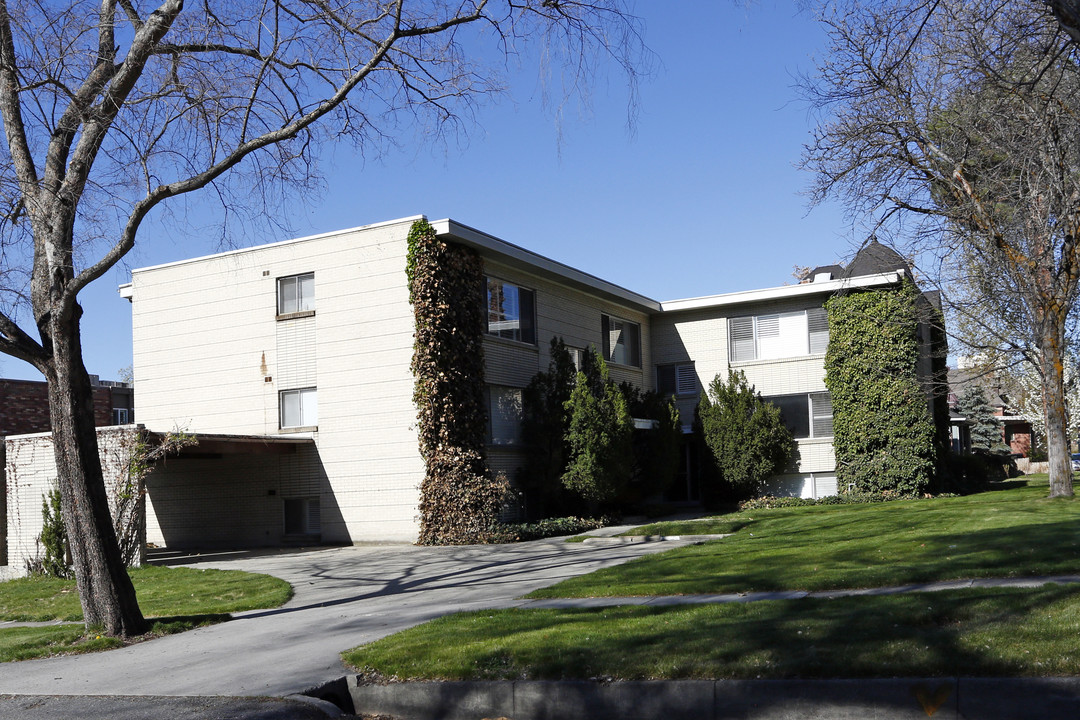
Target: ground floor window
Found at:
807, 415
504, 415
302, 516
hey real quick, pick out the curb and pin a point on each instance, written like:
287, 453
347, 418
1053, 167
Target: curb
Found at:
967, 698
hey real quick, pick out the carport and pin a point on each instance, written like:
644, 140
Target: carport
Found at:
237, 491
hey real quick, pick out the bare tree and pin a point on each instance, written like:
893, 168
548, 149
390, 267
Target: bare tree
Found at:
957, 125
113, 107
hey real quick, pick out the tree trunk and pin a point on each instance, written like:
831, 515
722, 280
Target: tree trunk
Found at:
105, 590
1057, 436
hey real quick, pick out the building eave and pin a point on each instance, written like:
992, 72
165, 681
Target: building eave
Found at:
279, 243
824, 287
529, 261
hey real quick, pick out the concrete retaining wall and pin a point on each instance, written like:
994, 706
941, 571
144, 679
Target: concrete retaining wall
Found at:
967, 698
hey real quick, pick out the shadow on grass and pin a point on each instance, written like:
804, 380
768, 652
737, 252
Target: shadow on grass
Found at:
917, 645
984, 633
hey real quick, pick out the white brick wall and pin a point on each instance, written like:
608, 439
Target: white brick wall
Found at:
30, 470
206, 338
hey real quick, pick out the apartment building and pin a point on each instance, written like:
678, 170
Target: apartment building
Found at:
291, 363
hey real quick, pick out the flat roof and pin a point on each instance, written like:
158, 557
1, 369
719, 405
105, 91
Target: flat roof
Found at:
522, 259
252, 248
821, 287
535, 263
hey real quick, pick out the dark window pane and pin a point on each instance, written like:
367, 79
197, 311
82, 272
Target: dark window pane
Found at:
795, 412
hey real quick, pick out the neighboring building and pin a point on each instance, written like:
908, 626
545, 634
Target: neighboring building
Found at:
121, 400
291, 363
24, 405
1016, 431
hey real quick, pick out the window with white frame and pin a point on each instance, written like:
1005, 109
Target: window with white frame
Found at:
778, 335
504, 415
806, 415
676, 379
510, 311
299, 408
622, 341
296, 293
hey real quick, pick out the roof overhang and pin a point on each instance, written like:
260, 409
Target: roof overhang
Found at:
822, 287
211, 445
528, 261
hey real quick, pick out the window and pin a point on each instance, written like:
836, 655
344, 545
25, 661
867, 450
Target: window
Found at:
577, 356
120, 416
821, 414
302, 516
299, 408
510, 311
778, 335
504, 415
296, 293
806, 416
817, 321
677, 379
622, 341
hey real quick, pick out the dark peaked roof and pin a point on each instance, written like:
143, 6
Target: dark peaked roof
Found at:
876, 258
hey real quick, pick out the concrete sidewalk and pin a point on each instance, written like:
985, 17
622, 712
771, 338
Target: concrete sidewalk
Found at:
664, 600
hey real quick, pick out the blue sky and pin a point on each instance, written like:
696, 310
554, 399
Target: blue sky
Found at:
703, 198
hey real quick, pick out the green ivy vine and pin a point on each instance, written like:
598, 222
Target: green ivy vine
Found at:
459, 499
884, 435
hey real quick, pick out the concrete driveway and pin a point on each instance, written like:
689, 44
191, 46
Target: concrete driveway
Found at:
344, 597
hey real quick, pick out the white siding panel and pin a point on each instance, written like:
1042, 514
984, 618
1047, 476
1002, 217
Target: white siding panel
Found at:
206, 339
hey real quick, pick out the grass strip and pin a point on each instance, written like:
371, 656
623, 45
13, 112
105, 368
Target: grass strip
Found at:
974, 632
175, 599
1011, 531
162, 592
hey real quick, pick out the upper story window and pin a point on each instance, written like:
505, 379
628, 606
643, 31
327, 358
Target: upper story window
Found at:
806, 416
299, 408
510, 311
778, 335
296, 293
676, 379
622, 341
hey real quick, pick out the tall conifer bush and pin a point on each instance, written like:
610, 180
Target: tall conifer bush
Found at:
985, 426
544, 427
744, 432
601, 436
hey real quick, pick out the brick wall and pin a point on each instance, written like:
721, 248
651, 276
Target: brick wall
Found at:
24, 407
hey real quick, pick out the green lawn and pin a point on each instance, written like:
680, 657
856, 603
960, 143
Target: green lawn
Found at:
175, 599
1006, 532
1010, 531
999, 632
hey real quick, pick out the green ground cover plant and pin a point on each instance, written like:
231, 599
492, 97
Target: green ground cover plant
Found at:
986, 632
1014, 530
174, 599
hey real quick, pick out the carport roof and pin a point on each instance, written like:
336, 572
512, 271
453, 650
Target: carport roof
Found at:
216, 445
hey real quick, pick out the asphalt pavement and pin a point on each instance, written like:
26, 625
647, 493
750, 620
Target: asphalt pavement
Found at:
344, 596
